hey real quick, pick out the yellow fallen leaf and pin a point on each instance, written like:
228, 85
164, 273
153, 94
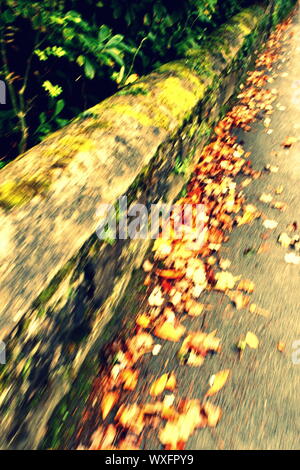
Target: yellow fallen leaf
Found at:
252, 340
129, 378
213, 413
171, 383
169, 332
143, 320
159, 385
219, 382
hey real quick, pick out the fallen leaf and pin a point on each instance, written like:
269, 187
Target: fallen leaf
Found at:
147, 266
129, 378
169, 273
284, 240
289, 141
238, 299
251, 340
169, 332
225, 280
266, 198
140, 344
270, 224
131, 417
108, 402
143, 320
171, 383
219, 381
291, 258
246, 286
213, 414
159, 385
156, 349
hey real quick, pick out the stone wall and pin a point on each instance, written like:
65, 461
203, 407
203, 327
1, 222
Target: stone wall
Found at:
60, 285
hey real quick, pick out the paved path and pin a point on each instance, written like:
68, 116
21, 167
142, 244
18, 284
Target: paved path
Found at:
262, 403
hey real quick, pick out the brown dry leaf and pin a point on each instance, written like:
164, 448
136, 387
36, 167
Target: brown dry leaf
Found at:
219, 381
176, 433
279, 190
213, 413
252, 340
152, 408
108, 402
224, 264
281, 206
169, 413
169, 332
169, 436
159, 385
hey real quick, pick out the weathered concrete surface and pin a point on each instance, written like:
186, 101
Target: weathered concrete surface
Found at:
126, 145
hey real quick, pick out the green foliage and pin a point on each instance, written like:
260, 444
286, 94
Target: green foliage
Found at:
59, 57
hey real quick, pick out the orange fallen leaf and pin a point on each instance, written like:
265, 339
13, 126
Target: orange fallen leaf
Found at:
108, 402
219, 381
129, 378
169, 273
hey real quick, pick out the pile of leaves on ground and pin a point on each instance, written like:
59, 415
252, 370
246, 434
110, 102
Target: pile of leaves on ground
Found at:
176, 276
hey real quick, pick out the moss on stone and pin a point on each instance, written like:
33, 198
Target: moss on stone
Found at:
16, 193
47, 293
